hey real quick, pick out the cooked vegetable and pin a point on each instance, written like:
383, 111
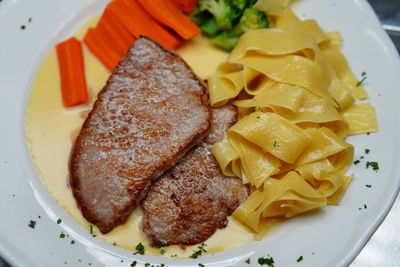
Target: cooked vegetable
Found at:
102, 49
251, 19
227, 20
168, 14
210, 27
72, 72
138, 22
222, 10
185, 5
114, 32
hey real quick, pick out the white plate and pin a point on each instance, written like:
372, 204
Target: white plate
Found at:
331, 237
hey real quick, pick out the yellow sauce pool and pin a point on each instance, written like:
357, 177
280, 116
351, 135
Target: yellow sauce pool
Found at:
51, 130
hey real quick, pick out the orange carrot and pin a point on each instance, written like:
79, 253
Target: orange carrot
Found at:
138, 22
72, 72
185, 5
101, 49
168, 14
115, 33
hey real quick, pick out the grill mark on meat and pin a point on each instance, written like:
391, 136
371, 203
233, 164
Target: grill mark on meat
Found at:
191, 201
152, 110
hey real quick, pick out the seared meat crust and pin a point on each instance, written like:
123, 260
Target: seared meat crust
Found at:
152, 110
191, 201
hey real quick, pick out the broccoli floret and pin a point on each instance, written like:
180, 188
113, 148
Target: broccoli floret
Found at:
251, 19
225, 41
198, 16
222, 10
209, 27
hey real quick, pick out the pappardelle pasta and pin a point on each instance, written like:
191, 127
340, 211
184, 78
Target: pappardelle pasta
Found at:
296, 96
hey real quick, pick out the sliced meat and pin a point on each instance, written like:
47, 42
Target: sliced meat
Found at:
152, 110
190, 202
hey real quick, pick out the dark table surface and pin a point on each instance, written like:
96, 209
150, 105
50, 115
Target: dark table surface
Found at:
389, 13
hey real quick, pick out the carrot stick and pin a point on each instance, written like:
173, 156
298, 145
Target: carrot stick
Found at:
72, 72
101, 49
115, 33
168, 14
138, 22
185, 5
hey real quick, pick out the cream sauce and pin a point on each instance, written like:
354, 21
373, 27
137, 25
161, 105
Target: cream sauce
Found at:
51, 130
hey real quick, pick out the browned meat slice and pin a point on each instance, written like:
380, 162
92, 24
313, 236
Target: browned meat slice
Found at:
152, 110
190, 202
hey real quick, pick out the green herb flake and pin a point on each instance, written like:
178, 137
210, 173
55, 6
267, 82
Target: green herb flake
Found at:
62, 235
356, 162
23, 27
162, 251
65, 262
114, 243
174, 255
367, 151
300, 259
368, 133
30, 20
362, 157
59, 221
373, 164
72, 242
247, 261
199, 252
266, 261
363, 78
159, 244
32, 224
201, 265
147, 264
365, 206
133, 264
368, 185
139, 249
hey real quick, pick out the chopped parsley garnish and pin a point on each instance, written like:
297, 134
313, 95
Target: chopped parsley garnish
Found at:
363, 78
367, 151
368, 133
199, 252
201, 265
247, 261
32, 224
91, 229
114, 243
362, 157
368, 185
300, 259
365, 206
139, 249
133, 264
30, 20
59, 221
356, 162
62, 235
266, 261
162, 251
147, 264
174, 255
23, 27
72, 242
373, 164
159, 244
275, 144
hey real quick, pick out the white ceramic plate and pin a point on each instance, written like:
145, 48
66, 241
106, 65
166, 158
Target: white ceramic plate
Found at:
331, 237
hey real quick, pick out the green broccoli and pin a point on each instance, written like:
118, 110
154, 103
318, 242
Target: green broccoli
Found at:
251, 19
222, 10
210, 27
